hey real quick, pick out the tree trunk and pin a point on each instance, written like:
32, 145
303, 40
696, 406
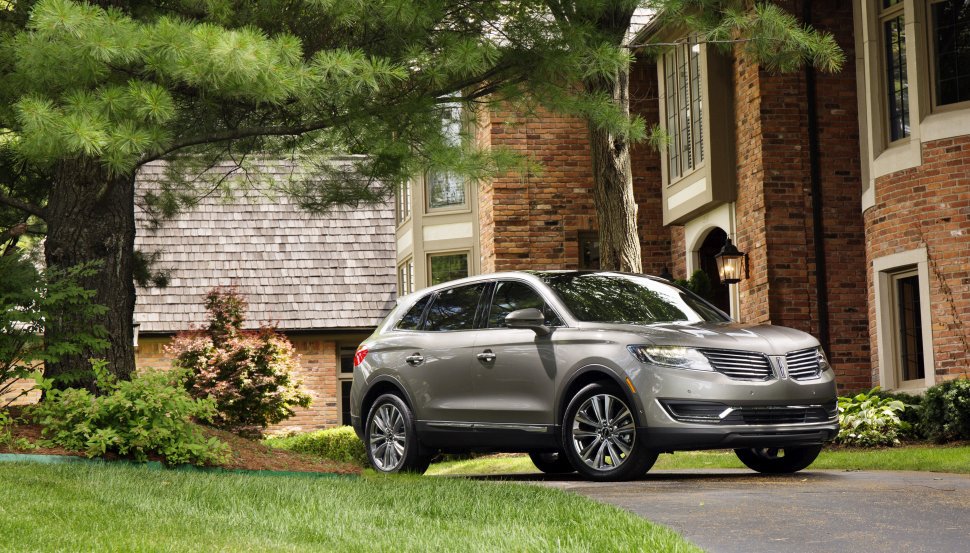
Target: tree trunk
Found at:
616, 208
91, 217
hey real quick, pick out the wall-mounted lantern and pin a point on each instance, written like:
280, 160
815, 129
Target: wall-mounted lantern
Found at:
732, 264
134, 334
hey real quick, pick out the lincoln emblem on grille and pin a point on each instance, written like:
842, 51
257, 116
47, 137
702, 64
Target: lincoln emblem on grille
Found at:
781, 366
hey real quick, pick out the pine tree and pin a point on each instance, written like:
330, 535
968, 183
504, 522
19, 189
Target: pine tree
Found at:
91, 91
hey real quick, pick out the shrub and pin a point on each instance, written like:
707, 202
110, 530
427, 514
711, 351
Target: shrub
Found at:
912, 415
249, 374
946, 411
28, 297
151, 414
338, 444
869, 420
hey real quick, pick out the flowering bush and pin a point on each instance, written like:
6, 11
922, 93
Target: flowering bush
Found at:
249, 374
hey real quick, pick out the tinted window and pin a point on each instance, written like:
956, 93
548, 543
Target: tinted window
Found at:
412, 319
617, 298
511, 296
454, 309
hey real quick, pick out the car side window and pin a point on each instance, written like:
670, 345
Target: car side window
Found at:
511, 296
454, 309
412, 319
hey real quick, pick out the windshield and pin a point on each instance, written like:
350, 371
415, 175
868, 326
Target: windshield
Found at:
622, 298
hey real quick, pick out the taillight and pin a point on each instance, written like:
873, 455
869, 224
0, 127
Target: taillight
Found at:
360, 355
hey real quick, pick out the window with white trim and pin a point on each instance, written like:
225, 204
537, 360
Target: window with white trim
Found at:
684, 108
447, 189
907, 327
892, 22
950, 51
345, 377
405, 277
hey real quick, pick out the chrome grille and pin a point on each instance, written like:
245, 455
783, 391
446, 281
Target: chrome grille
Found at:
740, 365
803, 364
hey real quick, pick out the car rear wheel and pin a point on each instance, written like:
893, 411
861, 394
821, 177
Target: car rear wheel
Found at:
600, 435
392, 439
778, 460
551, 462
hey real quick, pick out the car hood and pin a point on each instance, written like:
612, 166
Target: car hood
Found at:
770, 339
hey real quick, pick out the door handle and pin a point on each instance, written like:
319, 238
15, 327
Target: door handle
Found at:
415, 359
486, 356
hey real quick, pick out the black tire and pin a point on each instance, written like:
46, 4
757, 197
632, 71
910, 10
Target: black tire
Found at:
551, 462
590, 441
391, 438
778, 460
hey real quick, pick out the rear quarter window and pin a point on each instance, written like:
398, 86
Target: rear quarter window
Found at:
412, 319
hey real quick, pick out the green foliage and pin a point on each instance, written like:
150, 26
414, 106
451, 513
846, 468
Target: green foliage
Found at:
699, 284
28, 297
338, 444
151, 414
946, 411
913, 413
249, 374
869, 420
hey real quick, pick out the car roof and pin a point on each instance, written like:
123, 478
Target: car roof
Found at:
531, 276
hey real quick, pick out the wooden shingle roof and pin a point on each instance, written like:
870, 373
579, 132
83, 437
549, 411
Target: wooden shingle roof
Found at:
298, 270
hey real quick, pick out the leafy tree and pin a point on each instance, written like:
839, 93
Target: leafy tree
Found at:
90, 91
249, 374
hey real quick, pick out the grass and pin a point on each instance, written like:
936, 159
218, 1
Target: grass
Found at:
922, 458
124, 508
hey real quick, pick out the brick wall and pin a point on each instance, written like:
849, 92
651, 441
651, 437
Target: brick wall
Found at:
319, 366
774, 204
534, 221
929, 207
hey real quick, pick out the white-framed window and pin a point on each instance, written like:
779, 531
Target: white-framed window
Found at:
892, 25
949, 52
405, 277
402, 197
443, 267
903, 321
447, 190
684, 108
345, 378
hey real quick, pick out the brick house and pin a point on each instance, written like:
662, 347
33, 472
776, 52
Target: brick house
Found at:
325, 281
849, 192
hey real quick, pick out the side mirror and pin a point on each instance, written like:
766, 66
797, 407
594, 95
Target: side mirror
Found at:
528, 318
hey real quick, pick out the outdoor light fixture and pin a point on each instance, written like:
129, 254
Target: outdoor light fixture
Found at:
134, 334
730, 263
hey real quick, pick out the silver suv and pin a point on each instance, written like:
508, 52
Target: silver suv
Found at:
595, 372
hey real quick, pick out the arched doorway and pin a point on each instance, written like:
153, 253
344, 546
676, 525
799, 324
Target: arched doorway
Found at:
712, 244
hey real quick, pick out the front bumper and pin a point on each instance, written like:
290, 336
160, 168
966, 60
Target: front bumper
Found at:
708, 437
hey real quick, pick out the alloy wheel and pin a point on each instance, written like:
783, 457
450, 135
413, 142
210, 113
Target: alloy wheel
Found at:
603, 432
387, 437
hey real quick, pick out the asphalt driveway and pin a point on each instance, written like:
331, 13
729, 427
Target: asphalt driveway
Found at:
727, 511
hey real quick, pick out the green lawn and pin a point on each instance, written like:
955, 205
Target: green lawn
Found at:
124, 508
924, 458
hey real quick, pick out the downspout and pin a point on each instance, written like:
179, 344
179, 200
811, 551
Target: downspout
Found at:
818, 232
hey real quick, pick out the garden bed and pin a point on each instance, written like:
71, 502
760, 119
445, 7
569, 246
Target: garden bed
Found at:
246, 454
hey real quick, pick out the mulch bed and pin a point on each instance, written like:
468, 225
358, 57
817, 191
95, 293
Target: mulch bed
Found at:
246, 454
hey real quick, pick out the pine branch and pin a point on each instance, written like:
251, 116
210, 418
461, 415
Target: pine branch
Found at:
24, 206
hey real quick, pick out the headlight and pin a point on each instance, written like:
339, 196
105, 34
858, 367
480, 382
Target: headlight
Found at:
669, 356
823, 363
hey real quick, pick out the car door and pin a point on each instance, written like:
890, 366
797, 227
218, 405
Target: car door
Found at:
514, 370
437, 371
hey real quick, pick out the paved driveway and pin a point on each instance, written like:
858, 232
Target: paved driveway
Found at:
726, 511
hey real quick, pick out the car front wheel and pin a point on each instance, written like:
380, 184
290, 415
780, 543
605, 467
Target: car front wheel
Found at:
600, 435
391, 438
778, 460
